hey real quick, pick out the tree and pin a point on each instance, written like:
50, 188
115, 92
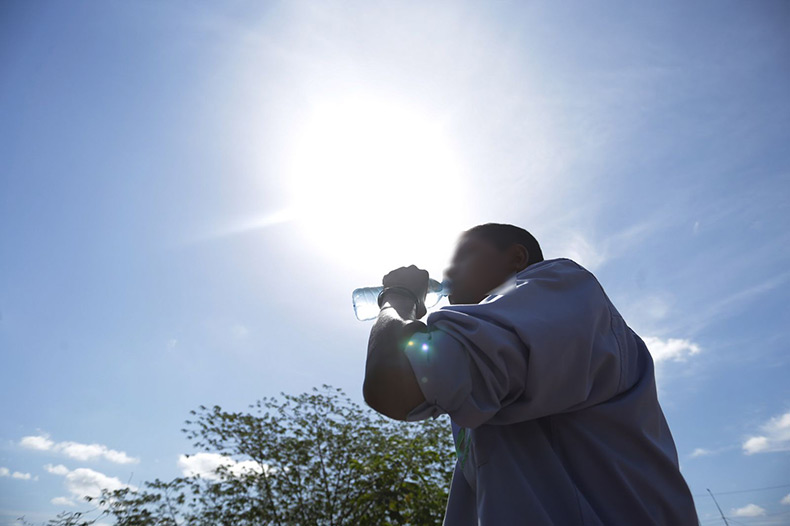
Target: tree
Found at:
313, 459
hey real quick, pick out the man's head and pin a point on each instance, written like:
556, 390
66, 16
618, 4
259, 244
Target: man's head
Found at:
486, 256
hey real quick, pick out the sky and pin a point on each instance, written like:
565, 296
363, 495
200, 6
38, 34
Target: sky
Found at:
190, 191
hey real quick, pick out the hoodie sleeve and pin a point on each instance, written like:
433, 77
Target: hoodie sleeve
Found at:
549, 346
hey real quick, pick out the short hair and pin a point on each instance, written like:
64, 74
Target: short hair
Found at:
504, 236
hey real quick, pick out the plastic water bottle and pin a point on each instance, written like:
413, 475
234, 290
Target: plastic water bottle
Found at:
365, 300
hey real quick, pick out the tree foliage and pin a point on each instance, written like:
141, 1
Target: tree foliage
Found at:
312, 459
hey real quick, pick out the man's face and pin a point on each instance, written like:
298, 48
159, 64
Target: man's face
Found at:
477, 268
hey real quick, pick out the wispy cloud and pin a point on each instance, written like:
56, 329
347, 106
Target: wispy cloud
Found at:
701, 452
76, 450
750, 510
5, 472
239, 331
672, 349
737, 299
721, 306
63, 501
206, 465
565, 238
85, 482
705, 452
774, 436
575, 246
785, 500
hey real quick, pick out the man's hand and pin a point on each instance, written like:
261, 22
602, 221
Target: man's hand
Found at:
412, 278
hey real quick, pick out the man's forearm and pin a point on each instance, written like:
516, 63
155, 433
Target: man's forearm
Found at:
390, 386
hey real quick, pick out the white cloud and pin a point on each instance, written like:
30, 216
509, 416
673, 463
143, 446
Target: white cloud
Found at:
206, 464
63, 501
85, 482
5, 472
77, 450
91, 451
774, 436
674, 349
203, 464
785, 500
750, 510
40, 443
755, 445
60, 469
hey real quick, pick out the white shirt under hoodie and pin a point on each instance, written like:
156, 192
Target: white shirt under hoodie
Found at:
554, 409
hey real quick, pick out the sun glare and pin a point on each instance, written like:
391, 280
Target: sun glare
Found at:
375, 183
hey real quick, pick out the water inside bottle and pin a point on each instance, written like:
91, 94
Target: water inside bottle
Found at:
366, 305
365, 300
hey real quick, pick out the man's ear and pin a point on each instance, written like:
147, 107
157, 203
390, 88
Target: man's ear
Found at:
519, 257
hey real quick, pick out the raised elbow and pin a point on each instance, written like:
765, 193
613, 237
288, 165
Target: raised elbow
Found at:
381, 402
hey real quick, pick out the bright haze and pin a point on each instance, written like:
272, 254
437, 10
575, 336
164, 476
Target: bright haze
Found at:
190, 191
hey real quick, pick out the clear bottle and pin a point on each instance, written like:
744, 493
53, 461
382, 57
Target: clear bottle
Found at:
365, 300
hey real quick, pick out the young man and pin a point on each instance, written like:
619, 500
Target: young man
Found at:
552, 396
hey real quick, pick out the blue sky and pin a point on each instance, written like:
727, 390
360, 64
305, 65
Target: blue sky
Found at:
190, 191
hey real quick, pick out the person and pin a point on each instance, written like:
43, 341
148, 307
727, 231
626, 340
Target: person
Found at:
551, 396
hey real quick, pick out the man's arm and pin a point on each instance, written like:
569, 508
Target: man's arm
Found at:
390, 385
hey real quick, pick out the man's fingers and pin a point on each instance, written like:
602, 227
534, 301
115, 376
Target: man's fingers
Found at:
411, 277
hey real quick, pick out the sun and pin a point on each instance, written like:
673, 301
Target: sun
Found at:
375, 184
